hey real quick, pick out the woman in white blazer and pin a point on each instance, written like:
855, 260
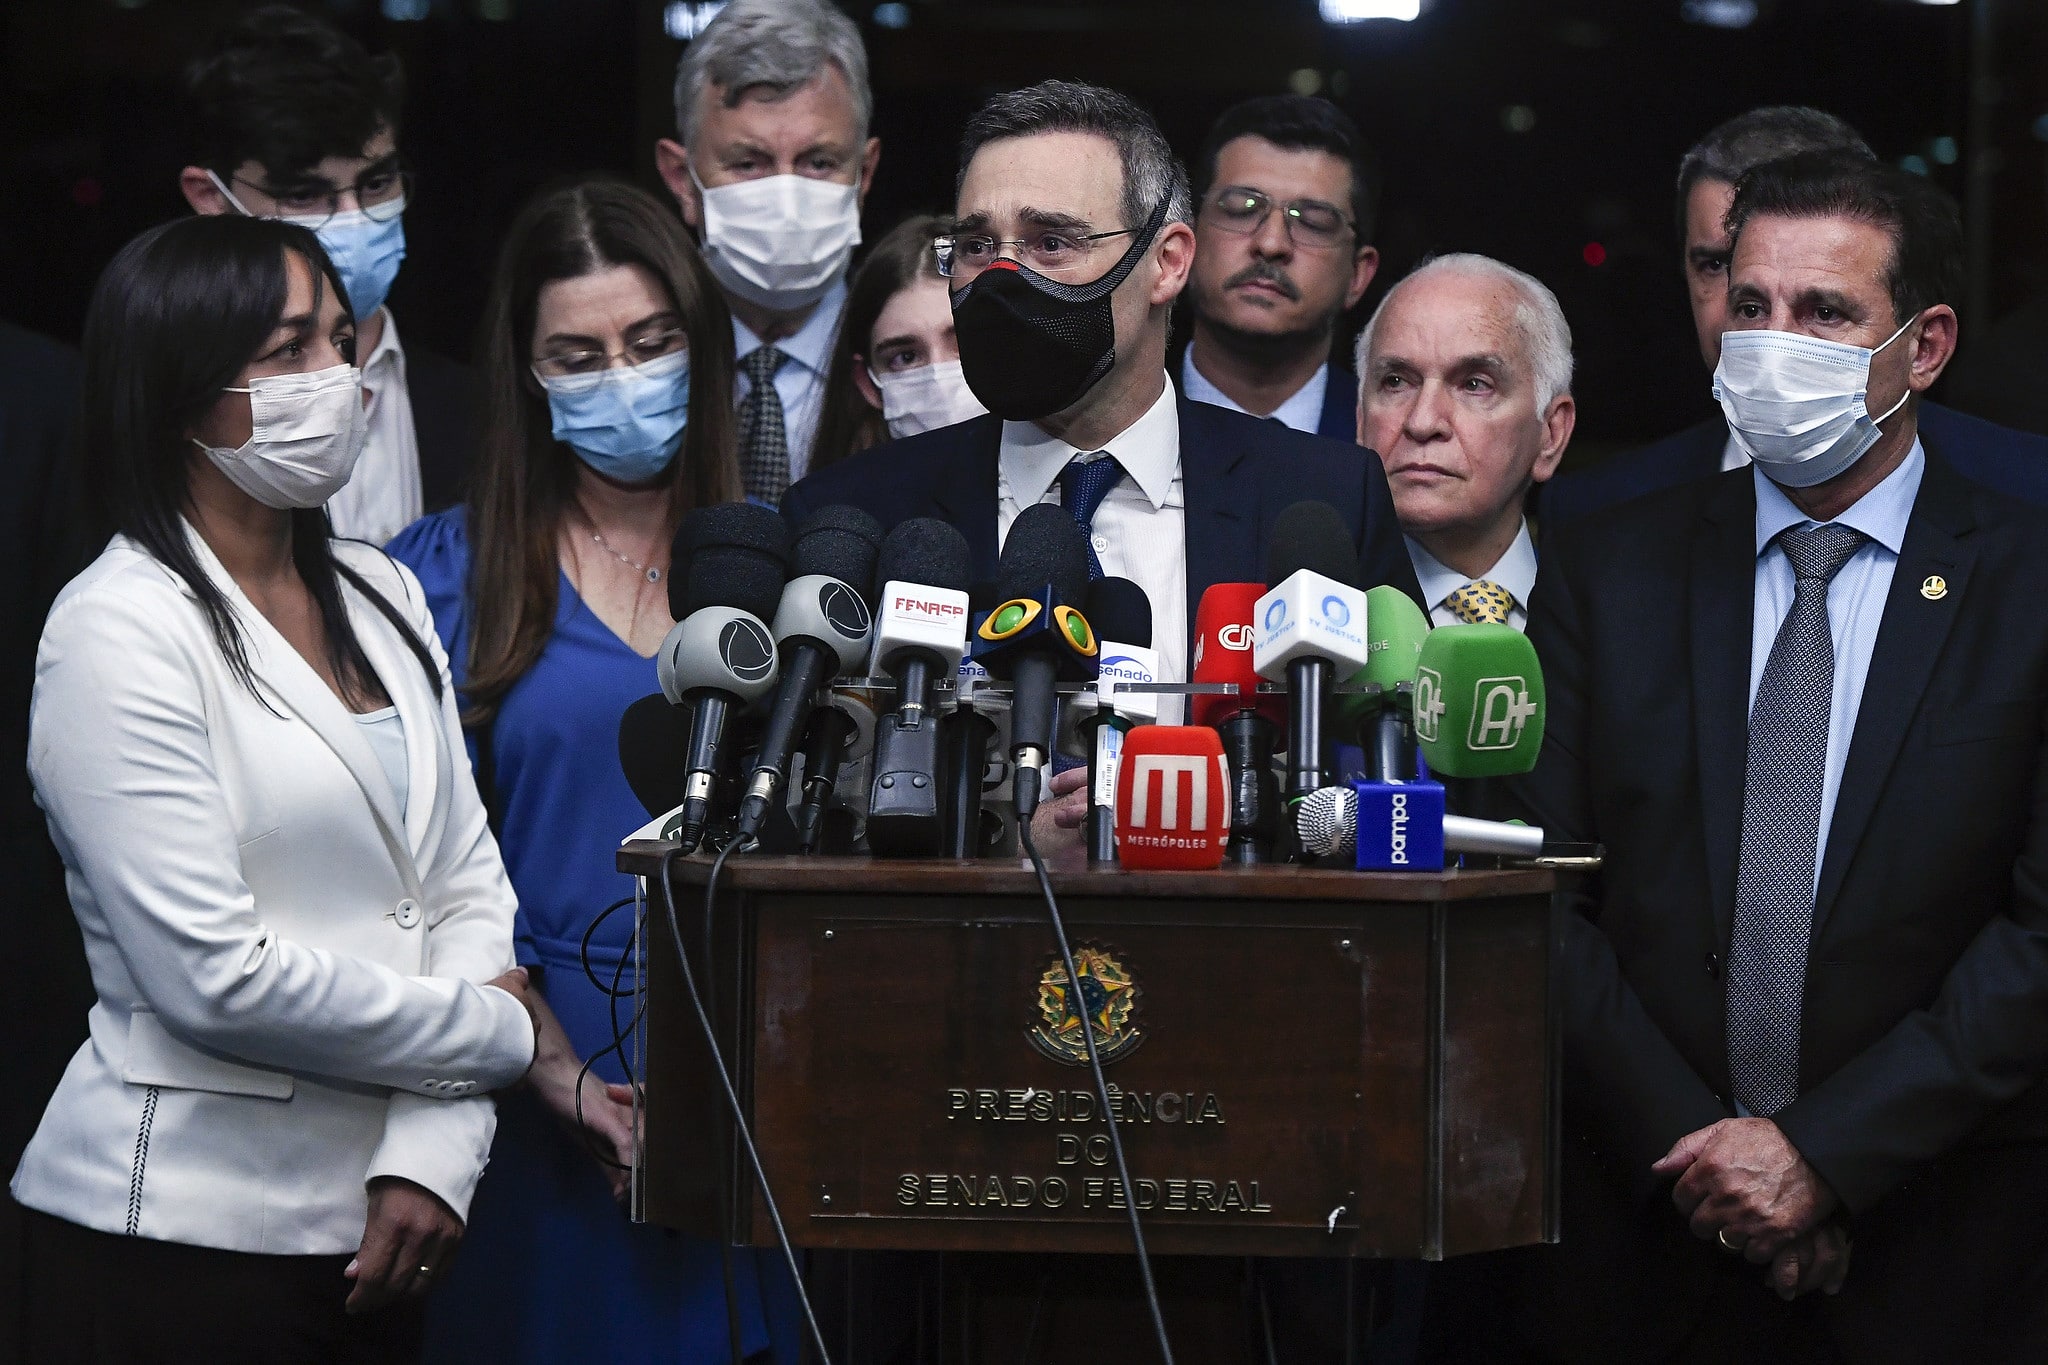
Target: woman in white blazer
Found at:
298, 924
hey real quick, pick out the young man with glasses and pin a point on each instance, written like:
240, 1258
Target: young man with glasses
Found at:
1283, 249
295, 120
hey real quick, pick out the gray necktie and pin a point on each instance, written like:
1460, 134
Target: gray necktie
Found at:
1788, 746
764, 444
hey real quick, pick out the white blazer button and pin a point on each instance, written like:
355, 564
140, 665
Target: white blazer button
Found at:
408, 914
431, 1083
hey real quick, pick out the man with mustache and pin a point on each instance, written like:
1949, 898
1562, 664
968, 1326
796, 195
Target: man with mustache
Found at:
1465, 376
1283, 249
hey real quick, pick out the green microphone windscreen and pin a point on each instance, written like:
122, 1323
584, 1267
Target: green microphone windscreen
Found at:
1478, 701
1394, 631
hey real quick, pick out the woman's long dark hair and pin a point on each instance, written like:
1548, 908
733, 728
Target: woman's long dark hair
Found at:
847, 421
525, 479
175, 318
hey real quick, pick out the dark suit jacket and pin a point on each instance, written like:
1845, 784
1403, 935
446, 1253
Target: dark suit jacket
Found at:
2001, 459
1925, 1024
1340, 406
1238, 472
444, 420
48, 987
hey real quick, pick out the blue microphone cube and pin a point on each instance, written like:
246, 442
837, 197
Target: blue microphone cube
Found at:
1400, 826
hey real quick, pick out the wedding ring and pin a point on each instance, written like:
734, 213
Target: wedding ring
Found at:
1726, 1245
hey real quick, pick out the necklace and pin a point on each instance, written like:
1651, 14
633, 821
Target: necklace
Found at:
651, 573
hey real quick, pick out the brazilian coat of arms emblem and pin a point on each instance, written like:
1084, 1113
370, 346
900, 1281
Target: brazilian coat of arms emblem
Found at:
1108, 999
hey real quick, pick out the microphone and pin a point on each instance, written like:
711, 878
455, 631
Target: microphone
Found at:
654, 745
1310, 626
1394, 631
719, 656
1478, 701
1401, 827
1122, 617
1246, 723
920, 637
1173, 798
821, 631
841, 728
1036, 637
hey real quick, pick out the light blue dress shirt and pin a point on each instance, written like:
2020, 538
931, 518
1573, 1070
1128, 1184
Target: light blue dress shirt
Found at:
1516, 571
1303, 412
1856, 601
800, 383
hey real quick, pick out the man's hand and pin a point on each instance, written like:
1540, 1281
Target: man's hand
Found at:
608, 1129
1819, 1260
1066, 807
408, 1240
1742, 1183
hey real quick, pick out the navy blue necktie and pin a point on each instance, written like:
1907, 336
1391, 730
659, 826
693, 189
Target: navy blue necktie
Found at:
1084, 483
1788, 749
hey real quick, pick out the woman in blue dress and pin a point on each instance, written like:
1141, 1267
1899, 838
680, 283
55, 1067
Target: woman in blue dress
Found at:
607, 364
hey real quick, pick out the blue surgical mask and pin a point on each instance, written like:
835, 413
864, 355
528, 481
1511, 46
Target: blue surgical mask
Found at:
365, 253
626, 424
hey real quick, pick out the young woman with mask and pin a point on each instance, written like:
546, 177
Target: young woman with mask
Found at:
895, 367
606, 355
300, 932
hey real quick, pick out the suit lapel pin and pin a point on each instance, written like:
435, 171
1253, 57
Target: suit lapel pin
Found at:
1934, 588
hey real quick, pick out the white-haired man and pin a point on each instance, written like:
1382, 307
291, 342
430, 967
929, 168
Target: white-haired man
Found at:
772, 164
1464, 389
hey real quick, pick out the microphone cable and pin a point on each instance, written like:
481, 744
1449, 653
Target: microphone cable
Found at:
612, 994
732, 1098
1116, 1142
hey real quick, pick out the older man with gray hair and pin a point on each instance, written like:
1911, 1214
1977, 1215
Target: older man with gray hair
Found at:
1465, 376
772, 164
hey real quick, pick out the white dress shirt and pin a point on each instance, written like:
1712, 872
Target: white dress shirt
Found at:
1140, 531
383, 496
1856, 601
1515, 571
1303, 412
800, 383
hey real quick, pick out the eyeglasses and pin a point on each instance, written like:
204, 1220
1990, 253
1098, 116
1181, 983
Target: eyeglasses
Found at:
1310, 222
593, 366
1048, 252
380, 194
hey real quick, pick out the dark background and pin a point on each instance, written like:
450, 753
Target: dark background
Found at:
505, 95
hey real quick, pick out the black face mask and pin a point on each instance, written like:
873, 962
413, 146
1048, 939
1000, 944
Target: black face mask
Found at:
1030, 346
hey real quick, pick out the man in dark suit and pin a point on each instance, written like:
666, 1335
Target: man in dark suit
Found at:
49, 988
1802, 707
1286, 187
295, 120
2009, 461
1063, 186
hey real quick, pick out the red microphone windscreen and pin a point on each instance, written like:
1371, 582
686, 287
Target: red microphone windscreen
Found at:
1172, 798
1223, 653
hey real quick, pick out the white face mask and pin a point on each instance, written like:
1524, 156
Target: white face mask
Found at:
780, 241
925, 398
1797, 403
307, 434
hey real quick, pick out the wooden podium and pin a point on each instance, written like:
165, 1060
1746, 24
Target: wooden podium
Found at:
1307, 1063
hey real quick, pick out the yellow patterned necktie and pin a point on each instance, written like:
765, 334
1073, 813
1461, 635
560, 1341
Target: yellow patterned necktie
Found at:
1481, 603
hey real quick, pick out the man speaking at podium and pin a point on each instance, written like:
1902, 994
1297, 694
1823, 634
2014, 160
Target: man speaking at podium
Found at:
1802, 706
1071, 245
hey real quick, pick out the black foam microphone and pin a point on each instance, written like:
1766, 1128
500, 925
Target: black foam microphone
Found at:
654, 748
720, 655
1122, 617
821, 631
1037, 636
920, 636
